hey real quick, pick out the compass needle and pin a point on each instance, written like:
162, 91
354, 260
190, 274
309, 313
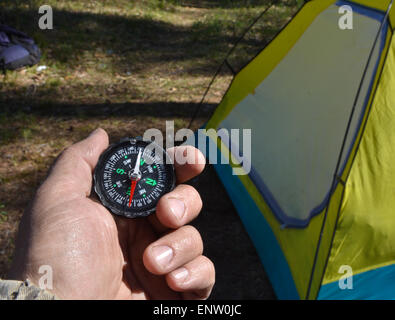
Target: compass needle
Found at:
132, 188
138, 187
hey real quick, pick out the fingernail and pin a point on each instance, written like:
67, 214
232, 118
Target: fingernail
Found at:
177, 207
180, 274
162, 255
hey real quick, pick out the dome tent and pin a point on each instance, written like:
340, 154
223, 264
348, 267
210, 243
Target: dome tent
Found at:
320, 102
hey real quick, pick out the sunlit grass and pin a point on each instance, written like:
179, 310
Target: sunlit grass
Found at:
99, 42
122, 65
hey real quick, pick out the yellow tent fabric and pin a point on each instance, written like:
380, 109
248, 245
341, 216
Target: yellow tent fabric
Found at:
365, 236
250, 77
291, 240
359, 214
381, 5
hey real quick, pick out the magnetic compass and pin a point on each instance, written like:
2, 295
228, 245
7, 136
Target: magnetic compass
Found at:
132, 175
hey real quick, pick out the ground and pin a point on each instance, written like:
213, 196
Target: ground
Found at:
239, 272
127, 66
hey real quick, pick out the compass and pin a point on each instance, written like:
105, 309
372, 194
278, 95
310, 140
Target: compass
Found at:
132, 175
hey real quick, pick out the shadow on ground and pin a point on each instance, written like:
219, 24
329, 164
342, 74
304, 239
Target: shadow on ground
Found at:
233, 3
131, 39
239, 272
128, 40
159, 109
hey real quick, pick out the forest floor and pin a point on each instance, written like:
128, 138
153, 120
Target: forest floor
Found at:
127, 66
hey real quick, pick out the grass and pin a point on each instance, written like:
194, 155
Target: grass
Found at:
122, 65
143, 49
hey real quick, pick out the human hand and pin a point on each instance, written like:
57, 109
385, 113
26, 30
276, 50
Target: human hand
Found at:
95, 255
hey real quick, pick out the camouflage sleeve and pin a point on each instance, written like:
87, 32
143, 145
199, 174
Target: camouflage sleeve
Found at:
22, 290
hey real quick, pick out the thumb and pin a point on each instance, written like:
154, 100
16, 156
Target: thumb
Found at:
72, 171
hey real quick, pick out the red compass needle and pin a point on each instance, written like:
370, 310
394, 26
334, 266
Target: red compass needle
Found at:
135, 176
132, 187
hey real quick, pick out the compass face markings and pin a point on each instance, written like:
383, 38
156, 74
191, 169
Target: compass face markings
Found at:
113, 179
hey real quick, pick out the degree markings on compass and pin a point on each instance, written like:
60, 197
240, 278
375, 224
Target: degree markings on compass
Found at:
116, 198
114, 158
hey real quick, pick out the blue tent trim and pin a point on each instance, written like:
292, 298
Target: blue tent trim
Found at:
377, 284
363, 10
258, 229
265, 242
379, 16
282, 217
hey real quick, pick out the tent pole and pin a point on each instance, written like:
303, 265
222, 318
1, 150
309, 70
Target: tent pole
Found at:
225, 61
335, 176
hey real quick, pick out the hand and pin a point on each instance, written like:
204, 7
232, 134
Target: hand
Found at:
95, 255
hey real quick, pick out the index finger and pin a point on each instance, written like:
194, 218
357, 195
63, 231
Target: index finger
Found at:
71, 175
188, 162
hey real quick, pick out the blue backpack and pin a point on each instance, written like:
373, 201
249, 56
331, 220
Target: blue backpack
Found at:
17, 50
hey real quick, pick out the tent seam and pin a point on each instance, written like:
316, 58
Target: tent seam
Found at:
333, 187
353, 160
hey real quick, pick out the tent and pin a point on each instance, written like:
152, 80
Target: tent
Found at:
319, 199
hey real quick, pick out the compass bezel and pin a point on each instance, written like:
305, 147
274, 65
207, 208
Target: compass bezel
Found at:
115, 207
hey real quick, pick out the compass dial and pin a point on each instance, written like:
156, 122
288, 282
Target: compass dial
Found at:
131, 178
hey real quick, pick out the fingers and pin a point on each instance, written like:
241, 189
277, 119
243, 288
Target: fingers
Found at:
196, 277
72, 172
173, 250
177, 208
188, 162
183, 204
178, 255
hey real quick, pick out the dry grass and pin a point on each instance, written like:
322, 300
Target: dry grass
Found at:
125, 66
